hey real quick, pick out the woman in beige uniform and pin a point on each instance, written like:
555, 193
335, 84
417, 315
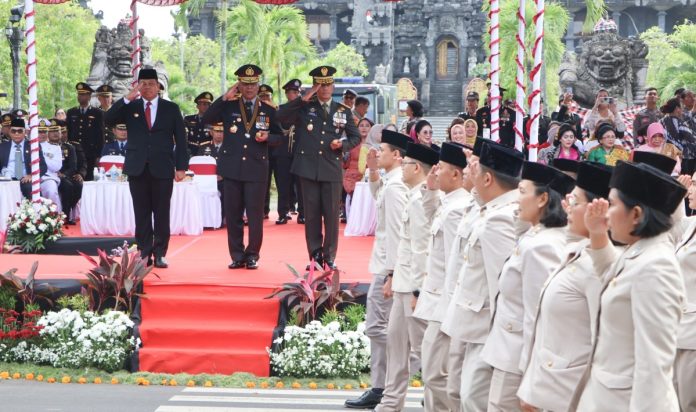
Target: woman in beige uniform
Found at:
632, 360
538, 252
567, 308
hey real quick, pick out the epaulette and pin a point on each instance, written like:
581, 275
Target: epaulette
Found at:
344, 106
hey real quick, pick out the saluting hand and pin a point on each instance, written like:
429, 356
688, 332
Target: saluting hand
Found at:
596, 219
231, 93
133, 93
372, 159
336, 144
431, 181
311, 92
685, 180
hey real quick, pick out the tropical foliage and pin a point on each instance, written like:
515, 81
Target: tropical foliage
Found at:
672, 58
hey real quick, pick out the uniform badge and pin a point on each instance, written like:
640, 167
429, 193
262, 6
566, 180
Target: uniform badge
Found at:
313, 109
136, 115
310, 127
233, 129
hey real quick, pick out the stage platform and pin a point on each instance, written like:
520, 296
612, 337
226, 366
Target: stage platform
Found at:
201, 317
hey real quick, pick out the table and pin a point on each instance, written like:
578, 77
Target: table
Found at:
10, 194
106, 208
362, 216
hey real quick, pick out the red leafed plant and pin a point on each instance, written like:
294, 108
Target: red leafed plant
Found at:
16, 328
25, 288
311, 291
111, 278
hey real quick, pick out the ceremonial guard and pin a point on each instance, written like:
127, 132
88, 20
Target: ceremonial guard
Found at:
15, 157
213, 148
492, 235
196, 130
444, 203
266, 95
293, 88
43, 130
53, 155
472, 102
390, 194
561, 339
70, 187
281, 159
538, 252
250, 127
118, 146
642, 298
156, 156
320, 124
86, 127
105, 95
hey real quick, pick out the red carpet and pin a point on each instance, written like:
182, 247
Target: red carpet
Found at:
200, 316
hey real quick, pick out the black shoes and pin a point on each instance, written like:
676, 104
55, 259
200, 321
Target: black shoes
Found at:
300, 220
368, 400
252, 264
161, 262
237, 264
330, 265
282, 220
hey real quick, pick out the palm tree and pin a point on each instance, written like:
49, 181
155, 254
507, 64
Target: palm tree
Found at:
672, 58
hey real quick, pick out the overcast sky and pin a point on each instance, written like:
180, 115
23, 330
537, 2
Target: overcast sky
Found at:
156, 21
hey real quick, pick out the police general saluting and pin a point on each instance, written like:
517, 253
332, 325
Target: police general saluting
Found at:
324, 129
250, 127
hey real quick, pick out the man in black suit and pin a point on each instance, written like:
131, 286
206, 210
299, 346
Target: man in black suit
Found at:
196, 132
15, 156
86, 127
319, 124
293, 88
68, 188
118, 146
155, 128
250, 127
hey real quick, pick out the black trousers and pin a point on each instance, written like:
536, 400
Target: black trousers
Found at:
26, 189
151, 197
322, 204
279, 167
296, 195
70, 193
240, 196
221, 189
90, 164
688, 167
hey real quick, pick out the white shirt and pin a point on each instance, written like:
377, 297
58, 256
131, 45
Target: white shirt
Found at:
11, 161
153, 107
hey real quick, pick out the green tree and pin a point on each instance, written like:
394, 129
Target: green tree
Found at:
672, 59
346, 60
64, 40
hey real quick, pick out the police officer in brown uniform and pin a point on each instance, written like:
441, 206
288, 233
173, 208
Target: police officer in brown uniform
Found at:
196, 130
86, 127
105, 95
320, 124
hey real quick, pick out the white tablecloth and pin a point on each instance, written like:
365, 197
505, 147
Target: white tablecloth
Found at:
10, 194
362, 216
107, 209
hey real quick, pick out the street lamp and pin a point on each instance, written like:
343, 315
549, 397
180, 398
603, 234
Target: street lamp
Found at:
14, 37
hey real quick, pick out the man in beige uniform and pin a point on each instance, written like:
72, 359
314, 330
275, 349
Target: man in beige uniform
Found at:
404, 332
444, 203
390, 195
491, 241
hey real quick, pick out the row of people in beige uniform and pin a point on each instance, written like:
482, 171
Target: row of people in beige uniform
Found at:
499, 279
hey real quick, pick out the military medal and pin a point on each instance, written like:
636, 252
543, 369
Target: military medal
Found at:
310, 127
248, 124
233, 129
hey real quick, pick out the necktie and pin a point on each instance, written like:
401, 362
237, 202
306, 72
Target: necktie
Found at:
19, 162
247, 105
148, 115
120, 146
326, 107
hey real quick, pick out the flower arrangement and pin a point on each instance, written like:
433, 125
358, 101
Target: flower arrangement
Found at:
321, 351
34, 224
70, 339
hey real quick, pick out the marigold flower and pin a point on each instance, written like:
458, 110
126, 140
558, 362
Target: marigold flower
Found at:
264, 385
348, 386
312, 385
208, 384
139, 380
4, 375
40, 378
16, 375
416, 383
29, 376
51, 380
296, 385
363, 385
146, 382
279, 385
82, 380
65, 379
172, 382
97, 381
190, 383
331, 386
114, 381
164, 382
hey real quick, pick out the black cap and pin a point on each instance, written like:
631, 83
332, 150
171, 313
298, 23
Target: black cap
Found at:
53, 125
294, 84
350, 92
323, 74
501, 159
478, 145
549, 176
656, 160
18, 122
453, 153
105, 90
594, 177
265, 89
566, 165
472, 96
249, 73
422, 153
147, 74
19, 113
83, 88
648, 185
204, 97
395, 139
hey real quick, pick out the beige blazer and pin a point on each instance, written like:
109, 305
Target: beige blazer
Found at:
491, 241
442, 234
412, 252
390, 195
640, 307
686, 256
563, 331
537, 254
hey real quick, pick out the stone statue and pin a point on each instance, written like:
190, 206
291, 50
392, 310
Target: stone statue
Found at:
606, 61
382, 74
407, 65
471, 62
422, 66
111, 59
